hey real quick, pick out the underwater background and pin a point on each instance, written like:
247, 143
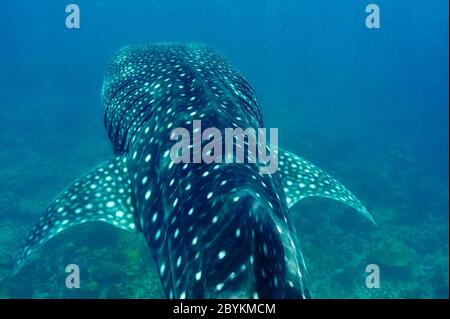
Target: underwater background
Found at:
369, 106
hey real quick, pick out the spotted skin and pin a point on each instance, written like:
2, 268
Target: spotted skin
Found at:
102, 194
215, 230
302, 179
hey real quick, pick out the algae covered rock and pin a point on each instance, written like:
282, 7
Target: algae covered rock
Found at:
393, 254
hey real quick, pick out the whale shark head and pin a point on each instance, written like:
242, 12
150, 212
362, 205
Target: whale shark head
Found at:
217, 228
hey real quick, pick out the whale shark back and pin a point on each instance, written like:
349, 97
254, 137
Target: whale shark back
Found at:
142, 80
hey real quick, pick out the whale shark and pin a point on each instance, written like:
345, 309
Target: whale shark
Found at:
217, 230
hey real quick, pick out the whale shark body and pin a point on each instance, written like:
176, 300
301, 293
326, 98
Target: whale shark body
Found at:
215, 230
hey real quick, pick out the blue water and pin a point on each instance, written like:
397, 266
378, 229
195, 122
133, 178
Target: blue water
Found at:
370, 106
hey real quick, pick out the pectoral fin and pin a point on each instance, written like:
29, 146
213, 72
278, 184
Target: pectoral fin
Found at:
102, 194
302, 179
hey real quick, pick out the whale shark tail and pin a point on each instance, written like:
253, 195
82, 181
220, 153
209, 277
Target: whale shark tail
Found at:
279, 267
103, 194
